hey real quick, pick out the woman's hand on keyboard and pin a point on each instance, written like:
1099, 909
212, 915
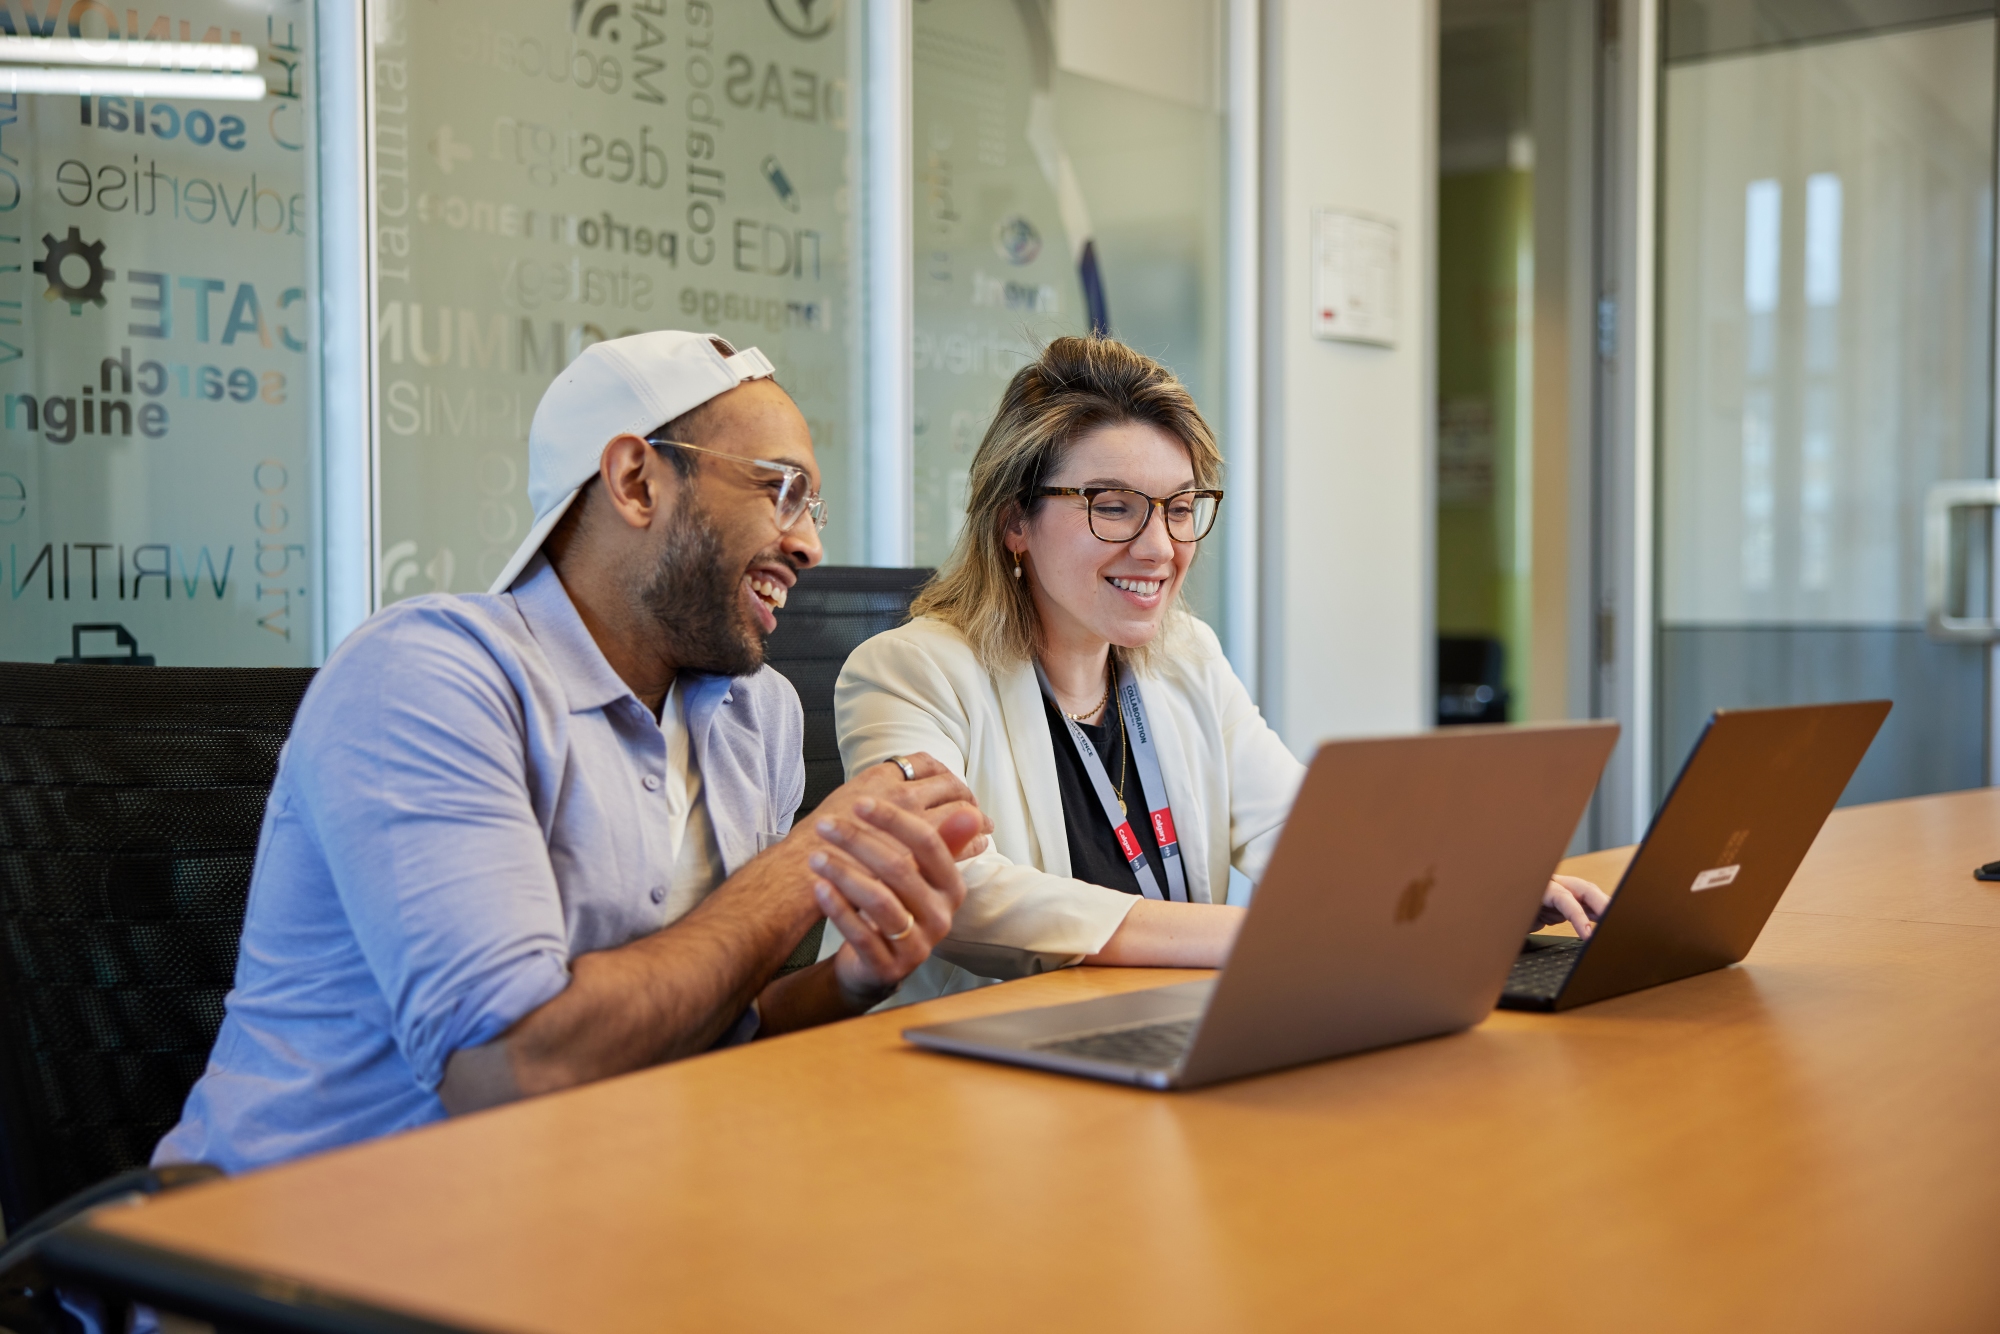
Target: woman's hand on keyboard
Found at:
1573, 900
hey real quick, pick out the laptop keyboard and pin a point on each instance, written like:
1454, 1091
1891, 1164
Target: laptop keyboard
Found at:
1539, 973
1541, 970
1149, 1046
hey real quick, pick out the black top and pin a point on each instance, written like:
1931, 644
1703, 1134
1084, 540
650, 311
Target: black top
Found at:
1093, 846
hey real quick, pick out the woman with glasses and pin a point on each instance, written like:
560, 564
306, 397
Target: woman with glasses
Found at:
1052, 665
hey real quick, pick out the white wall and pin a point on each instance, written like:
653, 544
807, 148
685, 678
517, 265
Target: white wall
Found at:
1350, 115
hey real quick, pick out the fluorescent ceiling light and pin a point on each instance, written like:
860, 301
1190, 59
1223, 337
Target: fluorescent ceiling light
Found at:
134, 83
127, 55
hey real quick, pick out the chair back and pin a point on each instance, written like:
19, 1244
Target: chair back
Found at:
831, 611
130, 803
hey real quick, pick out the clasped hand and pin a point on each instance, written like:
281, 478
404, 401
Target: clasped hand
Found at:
885, 869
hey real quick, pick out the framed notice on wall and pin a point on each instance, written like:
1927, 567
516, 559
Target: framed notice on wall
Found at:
1354, 277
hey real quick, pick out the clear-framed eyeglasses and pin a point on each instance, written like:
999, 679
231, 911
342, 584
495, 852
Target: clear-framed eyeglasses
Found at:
1118, 515
794, 496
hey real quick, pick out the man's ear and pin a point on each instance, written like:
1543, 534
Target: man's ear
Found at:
635, 484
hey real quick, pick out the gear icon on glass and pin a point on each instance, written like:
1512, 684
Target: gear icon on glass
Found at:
50, 266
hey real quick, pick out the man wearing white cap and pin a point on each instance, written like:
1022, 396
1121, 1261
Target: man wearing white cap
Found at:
528, 839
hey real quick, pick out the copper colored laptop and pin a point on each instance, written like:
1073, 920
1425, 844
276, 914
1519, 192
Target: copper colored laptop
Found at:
1751, 798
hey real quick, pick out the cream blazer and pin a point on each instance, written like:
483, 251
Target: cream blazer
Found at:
1229, 779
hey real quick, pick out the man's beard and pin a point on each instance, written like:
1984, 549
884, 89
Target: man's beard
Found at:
698, 603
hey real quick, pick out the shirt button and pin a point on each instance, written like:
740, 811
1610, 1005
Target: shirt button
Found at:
652, 782
659, 894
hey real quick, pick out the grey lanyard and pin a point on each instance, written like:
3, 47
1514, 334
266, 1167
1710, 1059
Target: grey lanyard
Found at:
1151, 784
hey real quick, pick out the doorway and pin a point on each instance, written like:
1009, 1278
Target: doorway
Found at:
1515, 287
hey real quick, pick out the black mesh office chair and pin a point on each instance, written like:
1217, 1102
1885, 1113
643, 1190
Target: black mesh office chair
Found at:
130, 800
129, 808
826, 617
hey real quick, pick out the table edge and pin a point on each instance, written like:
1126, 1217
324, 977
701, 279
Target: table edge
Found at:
244, 1298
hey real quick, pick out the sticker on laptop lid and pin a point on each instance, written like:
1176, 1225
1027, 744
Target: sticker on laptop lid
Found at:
1715, 879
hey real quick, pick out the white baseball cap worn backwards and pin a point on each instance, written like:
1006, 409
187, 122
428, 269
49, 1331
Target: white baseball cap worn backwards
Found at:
627, 386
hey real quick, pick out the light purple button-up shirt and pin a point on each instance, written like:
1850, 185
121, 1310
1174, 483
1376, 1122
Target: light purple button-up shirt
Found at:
470, 798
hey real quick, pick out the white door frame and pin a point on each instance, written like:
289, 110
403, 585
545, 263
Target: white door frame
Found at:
889, 439
1628, 155
344, 261
1243, 370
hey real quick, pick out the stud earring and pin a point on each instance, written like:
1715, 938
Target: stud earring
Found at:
1017, 565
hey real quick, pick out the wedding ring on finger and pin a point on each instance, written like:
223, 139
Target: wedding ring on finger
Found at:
909, 776
874, 926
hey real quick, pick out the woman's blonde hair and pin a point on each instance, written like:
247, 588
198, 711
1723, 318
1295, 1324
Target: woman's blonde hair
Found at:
1076, 386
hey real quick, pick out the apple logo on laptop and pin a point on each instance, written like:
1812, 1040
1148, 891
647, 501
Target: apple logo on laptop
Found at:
1410, 903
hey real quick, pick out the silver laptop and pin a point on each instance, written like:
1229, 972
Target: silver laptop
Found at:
1407, 874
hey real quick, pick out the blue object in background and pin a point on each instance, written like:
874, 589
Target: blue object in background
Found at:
1093, 290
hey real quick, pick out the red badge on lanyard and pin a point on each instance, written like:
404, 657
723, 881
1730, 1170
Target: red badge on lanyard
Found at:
1128, 842
1151, 784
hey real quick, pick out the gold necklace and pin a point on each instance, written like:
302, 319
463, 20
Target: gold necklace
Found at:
1099, 706
1124, 760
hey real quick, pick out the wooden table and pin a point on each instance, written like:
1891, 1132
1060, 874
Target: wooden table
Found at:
1810, 1141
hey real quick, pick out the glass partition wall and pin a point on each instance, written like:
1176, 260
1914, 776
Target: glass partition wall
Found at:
1068, 177
552, 175
548, 176
1826, 359
158, 353
540, 176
